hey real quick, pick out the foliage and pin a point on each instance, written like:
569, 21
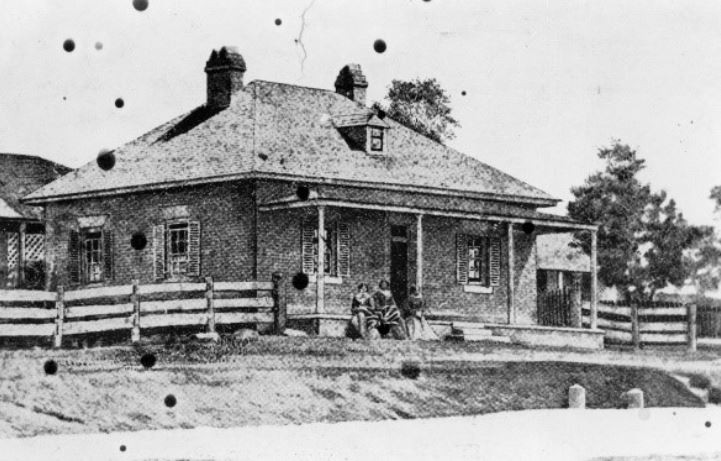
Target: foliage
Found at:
642, 235
421, 105
704, 260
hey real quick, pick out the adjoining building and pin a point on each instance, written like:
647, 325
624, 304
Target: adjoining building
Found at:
22, 228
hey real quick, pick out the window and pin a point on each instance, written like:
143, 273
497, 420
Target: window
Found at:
176, 249
178, 254
478, 260
377, 139
93, 256
336, 262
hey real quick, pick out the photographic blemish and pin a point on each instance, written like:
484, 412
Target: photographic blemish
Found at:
65, 98
148, 360
708, 424
50, 367
381, 114
278, 21
98, 46
411, 370
119, 103
463, 93
303, 192
528, 227
263, 156
170, 401
69, 45
140, 5
106, 159
122, 447
300, 281
138, 241
379, 46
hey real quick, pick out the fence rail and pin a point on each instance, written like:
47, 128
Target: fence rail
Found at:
646, 323
136, 307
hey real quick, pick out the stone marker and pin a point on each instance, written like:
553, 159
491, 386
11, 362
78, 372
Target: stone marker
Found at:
246, 334
292, 332
207, 337
576, 397
634, 398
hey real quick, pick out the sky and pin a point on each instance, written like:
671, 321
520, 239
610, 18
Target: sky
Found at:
546, 83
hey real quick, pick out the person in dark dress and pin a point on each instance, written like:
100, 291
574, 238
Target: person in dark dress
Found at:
417, 326
361, 310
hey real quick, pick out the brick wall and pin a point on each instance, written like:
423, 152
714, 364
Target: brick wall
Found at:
225, 212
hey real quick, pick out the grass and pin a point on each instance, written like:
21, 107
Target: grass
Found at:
302, 380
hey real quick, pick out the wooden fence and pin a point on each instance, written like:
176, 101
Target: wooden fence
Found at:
135, 307
709, 320
554, 308
646, 323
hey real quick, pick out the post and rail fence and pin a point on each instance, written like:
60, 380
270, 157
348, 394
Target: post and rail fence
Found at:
136, 308
637, 324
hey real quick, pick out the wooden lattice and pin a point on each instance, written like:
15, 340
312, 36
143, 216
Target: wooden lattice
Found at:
13, 249
34, 247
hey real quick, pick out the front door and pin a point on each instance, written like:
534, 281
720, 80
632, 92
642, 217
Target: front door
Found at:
399, 263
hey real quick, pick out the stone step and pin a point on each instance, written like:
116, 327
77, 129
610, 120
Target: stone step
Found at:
481, 338
473, 331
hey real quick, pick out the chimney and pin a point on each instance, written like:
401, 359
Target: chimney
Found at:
225, 70
351, 83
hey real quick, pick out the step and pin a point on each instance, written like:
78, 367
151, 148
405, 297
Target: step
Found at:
482, 338
473, 332
463, 325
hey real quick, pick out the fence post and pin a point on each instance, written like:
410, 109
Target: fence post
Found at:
60, 317
576, 397
634, 398
691, 317
280, 308
135, 299
635, 330
210, 302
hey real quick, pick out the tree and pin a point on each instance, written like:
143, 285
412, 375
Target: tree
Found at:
642, 235
704, 259
421, 105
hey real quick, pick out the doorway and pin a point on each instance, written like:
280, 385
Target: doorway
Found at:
399, 263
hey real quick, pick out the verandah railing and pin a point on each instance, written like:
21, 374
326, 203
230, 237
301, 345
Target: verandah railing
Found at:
646, 323
135, 308
554, 308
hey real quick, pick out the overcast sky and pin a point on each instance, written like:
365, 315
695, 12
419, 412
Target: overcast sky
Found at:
547, 83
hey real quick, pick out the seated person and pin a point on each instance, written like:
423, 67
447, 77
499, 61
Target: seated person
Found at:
415, 320
361, 309
385, 318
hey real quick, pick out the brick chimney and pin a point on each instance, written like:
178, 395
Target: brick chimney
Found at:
225, 69
351, 83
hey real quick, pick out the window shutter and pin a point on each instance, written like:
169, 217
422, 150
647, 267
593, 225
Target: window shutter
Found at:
308, 262
194, 248
495, 262
462, 258
159, 251
74, 258
108, 255
343, 250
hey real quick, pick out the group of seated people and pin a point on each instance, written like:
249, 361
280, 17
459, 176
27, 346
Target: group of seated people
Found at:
377, 315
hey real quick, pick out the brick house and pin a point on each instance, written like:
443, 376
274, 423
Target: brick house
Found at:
22, 229
243, 186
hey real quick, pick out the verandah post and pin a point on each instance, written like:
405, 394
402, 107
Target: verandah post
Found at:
210, 303
60, 317
280, 309
419, 253
594, 281
135, 300
509, 277
320, 273
691, 318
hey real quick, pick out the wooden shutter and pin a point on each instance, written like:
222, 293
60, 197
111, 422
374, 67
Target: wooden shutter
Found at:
306, 244
194, 248
159, 251
462, 258
108, 255
74, 257
343, 249
495, 262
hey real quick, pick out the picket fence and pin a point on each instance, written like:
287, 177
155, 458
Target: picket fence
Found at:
135, 307
646, 323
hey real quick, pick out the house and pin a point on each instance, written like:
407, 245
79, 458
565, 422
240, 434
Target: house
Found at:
269, 177
22, 229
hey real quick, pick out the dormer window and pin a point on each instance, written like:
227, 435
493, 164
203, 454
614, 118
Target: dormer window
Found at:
376, 139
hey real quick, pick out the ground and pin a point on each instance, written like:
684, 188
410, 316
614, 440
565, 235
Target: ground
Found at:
303, 380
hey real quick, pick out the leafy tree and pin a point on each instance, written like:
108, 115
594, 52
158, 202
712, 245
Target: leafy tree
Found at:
421, 105
642, 235
704, 259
